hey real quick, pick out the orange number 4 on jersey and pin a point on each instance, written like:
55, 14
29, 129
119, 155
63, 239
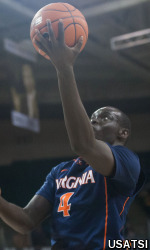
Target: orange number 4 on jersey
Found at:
63, 205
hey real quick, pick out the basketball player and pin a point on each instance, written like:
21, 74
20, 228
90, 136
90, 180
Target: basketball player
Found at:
88, 198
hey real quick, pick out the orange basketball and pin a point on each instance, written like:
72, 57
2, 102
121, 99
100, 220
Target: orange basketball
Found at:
74, 22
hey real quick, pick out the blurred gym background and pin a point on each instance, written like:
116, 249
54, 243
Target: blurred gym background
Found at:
113, 69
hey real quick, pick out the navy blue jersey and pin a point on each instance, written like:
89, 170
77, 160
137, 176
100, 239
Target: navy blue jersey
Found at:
88, 208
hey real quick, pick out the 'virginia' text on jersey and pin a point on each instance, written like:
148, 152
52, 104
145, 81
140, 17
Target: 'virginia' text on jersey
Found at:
73, 182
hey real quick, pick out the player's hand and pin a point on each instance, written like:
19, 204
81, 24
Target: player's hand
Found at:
60, 54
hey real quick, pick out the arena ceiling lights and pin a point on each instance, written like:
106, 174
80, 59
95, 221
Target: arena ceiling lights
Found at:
130, 40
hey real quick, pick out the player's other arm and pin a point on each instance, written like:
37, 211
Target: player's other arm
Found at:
24, 220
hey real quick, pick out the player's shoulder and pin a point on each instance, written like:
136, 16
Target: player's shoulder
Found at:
126, 157
123, 150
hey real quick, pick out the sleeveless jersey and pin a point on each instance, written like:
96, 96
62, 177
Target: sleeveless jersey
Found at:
88, 208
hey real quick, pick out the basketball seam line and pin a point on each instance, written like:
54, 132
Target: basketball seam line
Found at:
59, 10
78, 24
73, 22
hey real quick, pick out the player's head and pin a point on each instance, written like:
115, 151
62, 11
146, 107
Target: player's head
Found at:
111, 125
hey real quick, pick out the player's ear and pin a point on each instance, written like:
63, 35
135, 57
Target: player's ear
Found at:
123, 133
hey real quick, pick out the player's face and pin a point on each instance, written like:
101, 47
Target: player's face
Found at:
105, 124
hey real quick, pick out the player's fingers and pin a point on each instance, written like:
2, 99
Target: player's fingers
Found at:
50, 31
41, 39
43, 43
79, 44
40, 46
61, 31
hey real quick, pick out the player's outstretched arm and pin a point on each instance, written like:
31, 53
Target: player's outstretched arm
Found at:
80, 132
24, 220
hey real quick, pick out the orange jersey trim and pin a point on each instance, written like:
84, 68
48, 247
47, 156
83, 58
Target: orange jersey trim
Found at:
64, 170
124, 205
106, 217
